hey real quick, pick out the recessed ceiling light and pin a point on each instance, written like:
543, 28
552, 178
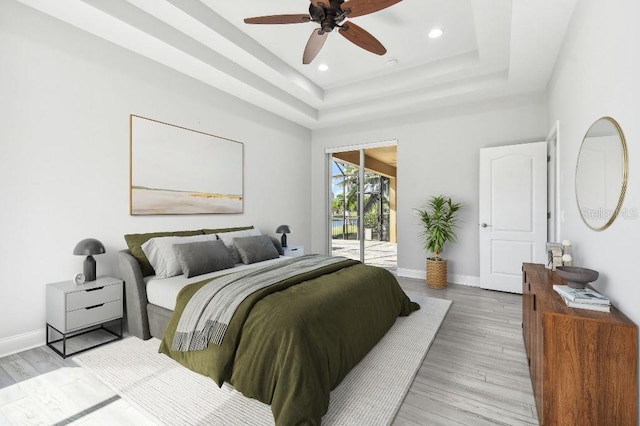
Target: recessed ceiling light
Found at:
323, 67
392, 61
436, 33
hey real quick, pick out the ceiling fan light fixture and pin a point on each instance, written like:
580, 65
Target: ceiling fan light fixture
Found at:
331, 14
436, 33
323, 67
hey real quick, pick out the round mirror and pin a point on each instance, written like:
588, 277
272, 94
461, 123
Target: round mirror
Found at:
601, 174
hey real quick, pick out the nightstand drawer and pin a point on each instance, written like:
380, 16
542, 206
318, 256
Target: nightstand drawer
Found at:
87, 316
92, 297
294, 251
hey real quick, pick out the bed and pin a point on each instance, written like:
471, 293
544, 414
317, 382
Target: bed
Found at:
289, 343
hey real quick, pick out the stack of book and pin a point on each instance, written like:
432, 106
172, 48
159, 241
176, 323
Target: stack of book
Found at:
583, 298
554, 255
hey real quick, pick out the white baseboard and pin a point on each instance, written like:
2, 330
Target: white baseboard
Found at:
420, 274
411, 273
22, 342
469, 280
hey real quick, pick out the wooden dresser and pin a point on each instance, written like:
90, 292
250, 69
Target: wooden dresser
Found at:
583, 364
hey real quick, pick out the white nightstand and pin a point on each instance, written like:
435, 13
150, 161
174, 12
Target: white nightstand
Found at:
75, 309
293, 251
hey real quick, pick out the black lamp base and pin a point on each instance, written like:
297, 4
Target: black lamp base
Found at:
89, 268
283, 240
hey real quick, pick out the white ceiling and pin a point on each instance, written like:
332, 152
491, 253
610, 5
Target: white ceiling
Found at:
490, 49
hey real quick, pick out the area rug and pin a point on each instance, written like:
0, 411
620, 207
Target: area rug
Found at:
370, 394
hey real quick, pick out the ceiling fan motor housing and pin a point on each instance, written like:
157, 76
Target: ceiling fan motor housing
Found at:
327, 16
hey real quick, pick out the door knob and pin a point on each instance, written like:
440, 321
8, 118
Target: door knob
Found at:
484, 225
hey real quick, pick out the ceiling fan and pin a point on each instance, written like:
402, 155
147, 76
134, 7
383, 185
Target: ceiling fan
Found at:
331, 14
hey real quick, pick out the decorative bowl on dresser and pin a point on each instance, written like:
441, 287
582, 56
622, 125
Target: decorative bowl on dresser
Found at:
583, 363
576, 276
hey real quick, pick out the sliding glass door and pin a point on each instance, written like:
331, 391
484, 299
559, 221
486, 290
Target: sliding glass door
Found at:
345, 212
362, 202
345, 208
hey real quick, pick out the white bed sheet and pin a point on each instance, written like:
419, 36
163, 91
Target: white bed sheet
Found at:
163, 291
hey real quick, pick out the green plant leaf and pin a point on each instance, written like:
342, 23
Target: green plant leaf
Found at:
439, 221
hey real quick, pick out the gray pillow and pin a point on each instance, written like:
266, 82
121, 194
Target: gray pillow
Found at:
278, 245
202, 257
255, 249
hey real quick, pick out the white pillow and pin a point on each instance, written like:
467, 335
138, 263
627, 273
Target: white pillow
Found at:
160, 253
227, 239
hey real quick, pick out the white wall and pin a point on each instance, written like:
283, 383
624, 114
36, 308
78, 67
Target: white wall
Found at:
598, 75
65, 100
438, 152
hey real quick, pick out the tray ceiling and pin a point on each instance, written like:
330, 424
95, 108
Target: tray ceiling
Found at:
490, 49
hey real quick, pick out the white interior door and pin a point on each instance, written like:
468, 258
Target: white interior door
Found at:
553, 184
513, 213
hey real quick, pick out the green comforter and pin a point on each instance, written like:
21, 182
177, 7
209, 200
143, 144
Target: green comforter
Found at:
290, 344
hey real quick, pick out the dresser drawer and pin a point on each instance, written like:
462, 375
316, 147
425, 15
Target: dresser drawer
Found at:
85, 317
92, 297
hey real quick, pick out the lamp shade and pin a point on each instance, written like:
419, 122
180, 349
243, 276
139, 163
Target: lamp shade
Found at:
283, 229
88, 247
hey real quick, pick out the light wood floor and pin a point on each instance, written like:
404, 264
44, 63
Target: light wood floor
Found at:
474, 374
476, 370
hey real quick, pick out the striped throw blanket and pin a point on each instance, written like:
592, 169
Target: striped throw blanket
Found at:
206, 316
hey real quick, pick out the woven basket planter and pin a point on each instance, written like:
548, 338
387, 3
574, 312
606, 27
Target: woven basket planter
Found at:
436, 273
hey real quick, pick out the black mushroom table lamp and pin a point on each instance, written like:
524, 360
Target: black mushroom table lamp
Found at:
284, 230
89, 247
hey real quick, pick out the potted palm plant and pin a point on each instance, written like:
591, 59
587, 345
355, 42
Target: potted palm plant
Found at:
439, 221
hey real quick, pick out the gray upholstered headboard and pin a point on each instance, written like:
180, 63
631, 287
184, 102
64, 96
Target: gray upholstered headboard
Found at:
133, 267
135, 295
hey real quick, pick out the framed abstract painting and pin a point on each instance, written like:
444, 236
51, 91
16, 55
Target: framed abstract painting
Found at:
175, 170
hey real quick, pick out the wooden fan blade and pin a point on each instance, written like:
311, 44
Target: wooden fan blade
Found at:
361, 38
364, 7
278, 19
315, 43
